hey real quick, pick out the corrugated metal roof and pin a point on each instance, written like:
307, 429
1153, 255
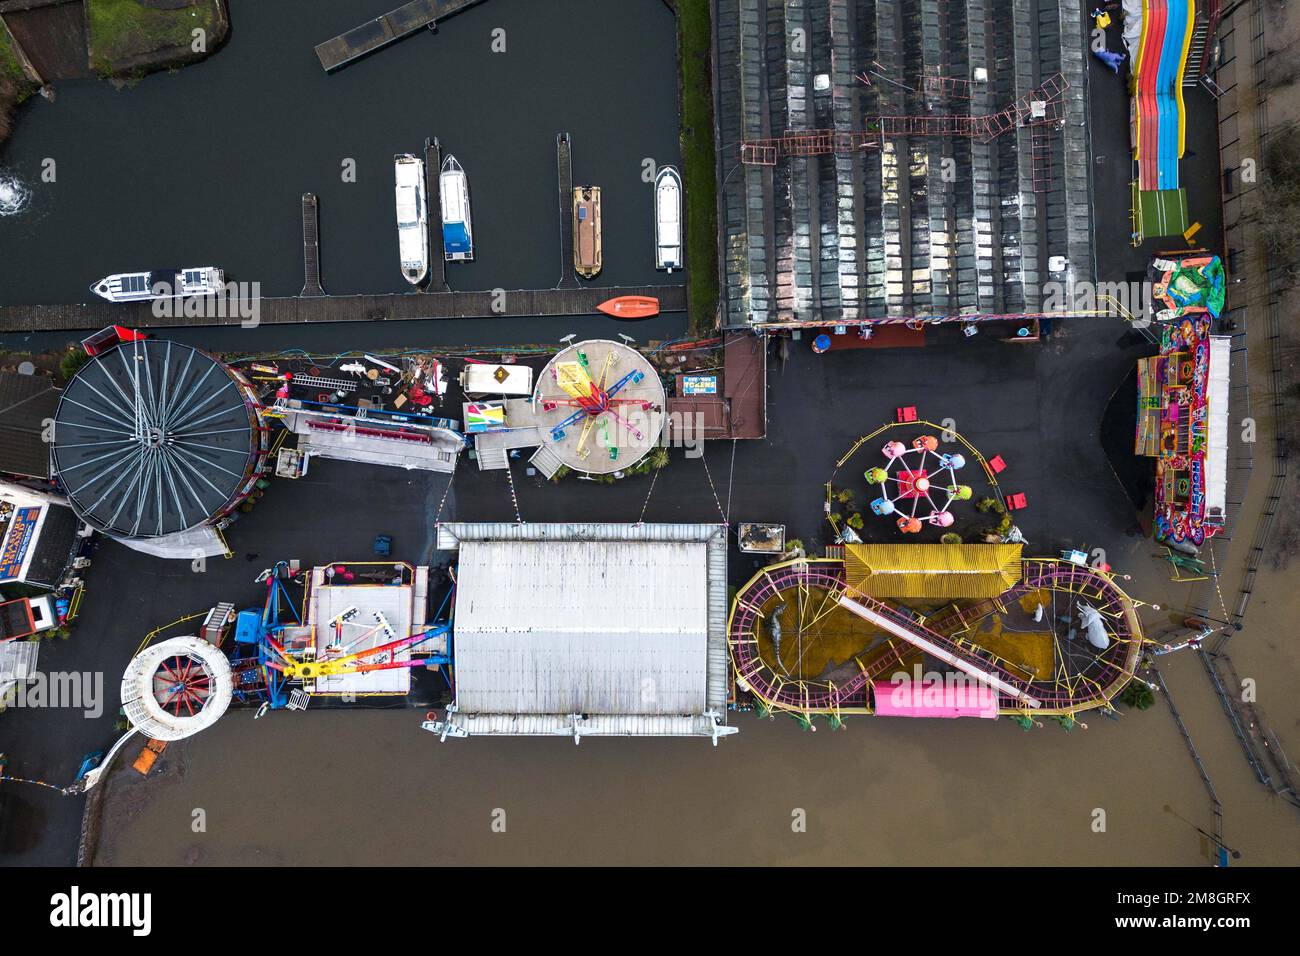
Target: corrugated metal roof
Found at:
932, 570
27, 402
602, 627
452, 533
629, 725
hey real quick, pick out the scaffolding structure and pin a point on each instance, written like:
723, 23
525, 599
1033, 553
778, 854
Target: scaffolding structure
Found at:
1041, 110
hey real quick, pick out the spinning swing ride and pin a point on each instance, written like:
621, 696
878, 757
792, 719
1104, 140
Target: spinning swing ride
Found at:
605, 406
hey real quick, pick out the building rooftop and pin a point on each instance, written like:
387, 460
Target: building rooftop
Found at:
152, 438
911, 222
622, 627
27, 402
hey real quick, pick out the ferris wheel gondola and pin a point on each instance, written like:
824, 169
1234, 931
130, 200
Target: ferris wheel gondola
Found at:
918, 484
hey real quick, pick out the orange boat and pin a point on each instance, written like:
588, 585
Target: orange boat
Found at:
630, 307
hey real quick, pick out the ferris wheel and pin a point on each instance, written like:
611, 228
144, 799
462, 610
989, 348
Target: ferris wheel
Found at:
918, 484
176, 688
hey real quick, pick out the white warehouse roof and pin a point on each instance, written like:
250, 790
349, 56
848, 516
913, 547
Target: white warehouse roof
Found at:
582, 629
565, 627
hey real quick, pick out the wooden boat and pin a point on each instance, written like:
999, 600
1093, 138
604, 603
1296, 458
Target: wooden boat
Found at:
630, 307
586, 231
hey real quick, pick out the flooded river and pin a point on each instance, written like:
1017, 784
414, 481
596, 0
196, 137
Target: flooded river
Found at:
207, 165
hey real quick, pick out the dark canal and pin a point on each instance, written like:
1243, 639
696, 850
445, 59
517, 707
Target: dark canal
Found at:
207, 165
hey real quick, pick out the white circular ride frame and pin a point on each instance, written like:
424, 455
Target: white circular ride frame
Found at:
631, 425
140, 700
914, 472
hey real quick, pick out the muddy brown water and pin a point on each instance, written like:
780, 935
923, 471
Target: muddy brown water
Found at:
373, 788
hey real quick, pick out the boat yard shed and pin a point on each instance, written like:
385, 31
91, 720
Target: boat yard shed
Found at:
580, 629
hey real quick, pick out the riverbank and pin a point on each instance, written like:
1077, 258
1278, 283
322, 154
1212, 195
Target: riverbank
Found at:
129, 38
117, 40
699, 160
15, 87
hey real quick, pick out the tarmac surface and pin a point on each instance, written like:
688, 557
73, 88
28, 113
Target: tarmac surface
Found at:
1039, 406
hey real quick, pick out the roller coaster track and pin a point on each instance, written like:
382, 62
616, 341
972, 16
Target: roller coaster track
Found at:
966, 658
1018, 693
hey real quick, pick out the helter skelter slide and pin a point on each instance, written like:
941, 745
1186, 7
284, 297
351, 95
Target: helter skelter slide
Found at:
1159, 115
1034, 636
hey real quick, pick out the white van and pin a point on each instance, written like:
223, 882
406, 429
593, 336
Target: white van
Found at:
481, 379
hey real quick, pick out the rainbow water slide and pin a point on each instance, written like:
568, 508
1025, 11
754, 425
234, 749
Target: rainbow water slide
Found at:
1158, 90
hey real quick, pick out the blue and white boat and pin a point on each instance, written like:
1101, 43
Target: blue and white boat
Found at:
457, 229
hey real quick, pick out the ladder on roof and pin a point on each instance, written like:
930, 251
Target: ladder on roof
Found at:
214, 625
1196, 53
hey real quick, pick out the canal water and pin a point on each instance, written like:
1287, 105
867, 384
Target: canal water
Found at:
207, 165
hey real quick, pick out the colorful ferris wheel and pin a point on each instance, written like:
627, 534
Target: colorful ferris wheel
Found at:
918, 484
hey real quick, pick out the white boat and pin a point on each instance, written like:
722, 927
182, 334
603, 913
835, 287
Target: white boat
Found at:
160, 284
457, 228
668, 219
412, 217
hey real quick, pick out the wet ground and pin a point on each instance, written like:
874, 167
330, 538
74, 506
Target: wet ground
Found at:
1005, 398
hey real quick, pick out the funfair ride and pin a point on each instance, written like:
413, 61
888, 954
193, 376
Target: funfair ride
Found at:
918, 484
787, 618
622, 416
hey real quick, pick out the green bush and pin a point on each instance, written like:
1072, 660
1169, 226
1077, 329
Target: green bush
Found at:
72, 360
1137, 695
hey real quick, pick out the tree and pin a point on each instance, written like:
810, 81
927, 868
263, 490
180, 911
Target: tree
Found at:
1137, 695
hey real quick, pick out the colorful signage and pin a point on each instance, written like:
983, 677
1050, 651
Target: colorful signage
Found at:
17, 540
699, 385
483, 417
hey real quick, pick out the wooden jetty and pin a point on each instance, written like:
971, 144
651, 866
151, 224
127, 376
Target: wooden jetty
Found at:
433, 197
311, 245
291, 310
564, 165
390, 27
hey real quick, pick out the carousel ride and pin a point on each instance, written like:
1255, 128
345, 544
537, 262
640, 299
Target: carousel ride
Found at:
176, 688
601, 405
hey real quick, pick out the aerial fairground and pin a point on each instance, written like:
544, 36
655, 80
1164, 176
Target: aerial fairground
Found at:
479, 434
